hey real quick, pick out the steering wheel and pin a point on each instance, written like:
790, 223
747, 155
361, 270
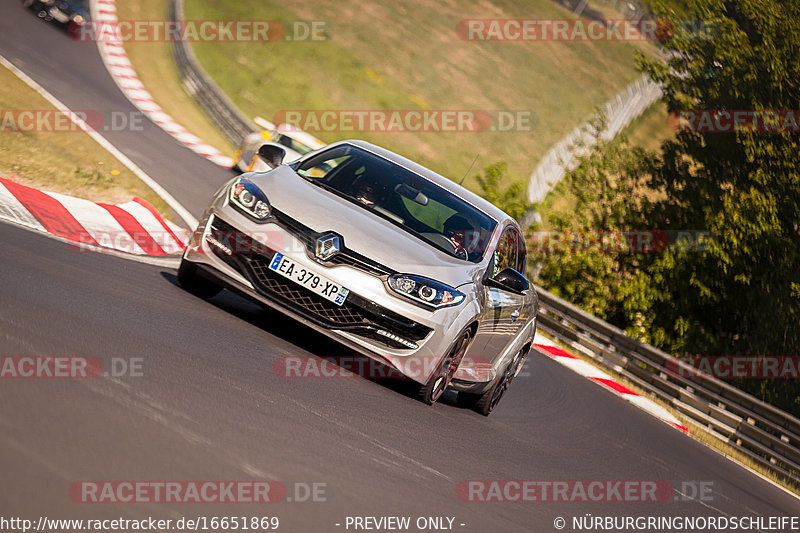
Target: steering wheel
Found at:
460, 251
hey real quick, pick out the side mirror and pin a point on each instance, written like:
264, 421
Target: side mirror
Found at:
272, 155
510, 280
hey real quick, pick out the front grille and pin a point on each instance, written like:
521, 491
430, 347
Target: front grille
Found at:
301, 231
337, 314
357, 314
350, 258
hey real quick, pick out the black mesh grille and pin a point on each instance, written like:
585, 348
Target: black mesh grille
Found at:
357, 314
311, 302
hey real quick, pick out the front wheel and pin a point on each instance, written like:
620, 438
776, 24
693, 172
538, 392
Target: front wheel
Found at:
486, 402
431, 391
192, 282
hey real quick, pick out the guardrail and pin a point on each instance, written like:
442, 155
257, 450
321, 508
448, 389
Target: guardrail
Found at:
628, 104
620, 111
769, 436
226, 116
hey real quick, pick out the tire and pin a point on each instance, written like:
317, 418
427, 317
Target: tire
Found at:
431, 391
192, 282
485, 403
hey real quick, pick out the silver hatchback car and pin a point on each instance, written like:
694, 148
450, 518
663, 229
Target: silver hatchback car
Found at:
381, 254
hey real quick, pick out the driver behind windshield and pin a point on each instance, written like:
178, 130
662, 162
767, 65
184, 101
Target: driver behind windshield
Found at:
456, 228
367, 191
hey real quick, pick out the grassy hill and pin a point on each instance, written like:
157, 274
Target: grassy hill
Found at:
27, 153
407, 55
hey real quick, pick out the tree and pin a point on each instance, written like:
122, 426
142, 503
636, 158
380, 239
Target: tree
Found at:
740, 294
599, 245
743, 186
510, 199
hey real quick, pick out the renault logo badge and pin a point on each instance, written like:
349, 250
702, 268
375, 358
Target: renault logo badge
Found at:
327, 246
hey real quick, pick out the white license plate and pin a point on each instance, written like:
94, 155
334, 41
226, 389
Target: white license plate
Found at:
309, 279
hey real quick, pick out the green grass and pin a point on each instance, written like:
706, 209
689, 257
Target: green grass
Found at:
65, 162
647, 131
407, 55
650, 129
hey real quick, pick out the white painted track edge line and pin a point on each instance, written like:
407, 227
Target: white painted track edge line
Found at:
741, 464
176, 206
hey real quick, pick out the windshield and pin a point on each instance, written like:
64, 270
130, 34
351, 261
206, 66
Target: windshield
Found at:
293, 144
403, 197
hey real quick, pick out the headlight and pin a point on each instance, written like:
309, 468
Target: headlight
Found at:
425, 291
246, 197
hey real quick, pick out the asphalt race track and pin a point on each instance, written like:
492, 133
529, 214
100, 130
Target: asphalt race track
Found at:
74, 73
209, 405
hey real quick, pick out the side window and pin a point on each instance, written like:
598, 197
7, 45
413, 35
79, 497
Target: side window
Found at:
506, 254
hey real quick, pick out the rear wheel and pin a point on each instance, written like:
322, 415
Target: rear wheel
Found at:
486, 402
439, 381
192, 282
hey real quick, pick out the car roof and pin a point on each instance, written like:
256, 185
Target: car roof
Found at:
465, 194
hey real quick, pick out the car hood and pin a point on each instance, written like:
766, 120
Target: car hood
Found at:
291, 156
364, 232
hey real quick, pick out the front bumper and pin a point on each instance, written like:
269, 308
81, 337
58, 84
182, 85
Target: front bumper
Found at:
370, 319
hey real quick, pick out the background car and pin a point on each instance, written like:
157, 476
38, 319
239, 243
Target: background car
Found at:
66, 14
295, 143
381, 254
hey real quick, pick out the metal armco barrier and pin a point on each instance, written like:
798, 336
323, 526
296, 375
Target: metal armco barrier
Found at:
767, 435
226, 116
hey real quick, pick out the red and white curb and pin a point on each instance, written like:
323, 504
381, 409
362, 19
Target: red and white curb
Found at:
134, 227
119, 66
546, 346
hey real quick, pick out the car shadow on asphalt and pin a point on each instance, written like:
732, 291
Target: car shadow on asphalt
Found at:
326, 350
